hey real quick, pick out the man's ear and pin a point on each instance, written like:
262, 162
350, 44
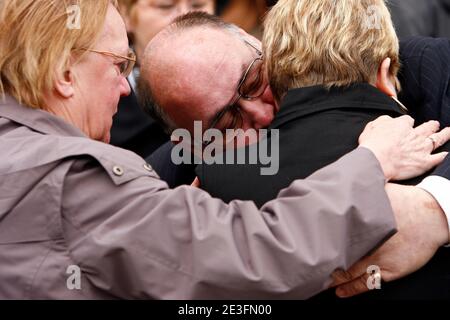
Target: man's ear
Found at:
385, 80
64, 82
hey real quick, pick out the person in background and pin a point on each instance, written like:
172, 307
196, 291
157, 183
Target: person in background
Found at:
132, 128
429, 18
246, 14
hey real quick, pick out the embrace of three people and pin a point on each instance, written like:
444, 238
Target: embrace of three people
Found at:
359, 183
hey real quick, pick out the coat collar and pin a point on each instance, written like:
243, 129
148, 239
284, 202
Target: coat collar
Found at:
38, 120
303, 102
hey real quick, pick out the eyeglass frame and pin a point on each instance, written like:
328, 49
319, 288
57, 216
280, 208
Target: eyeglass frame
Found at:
234, 101
132, 59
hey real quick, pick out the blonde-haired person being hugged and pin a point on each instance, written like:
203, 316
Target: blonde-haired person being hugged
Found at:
333, 68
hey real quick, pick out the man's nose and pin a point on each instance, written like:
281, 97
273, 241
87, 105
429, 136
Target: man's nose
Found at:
256, 114
125, 88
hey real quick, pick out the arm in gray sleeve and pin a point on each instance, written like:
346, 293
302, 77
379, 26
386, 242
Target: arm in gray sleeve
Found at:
142, 240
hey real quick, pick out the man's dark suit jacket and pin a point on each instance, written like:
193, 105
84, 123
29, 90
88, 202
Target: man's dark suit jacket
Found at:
134, 130
425, 78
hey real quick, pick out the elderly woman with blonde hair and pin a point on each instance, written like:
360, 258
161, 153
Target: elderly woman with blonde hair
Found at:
82, 219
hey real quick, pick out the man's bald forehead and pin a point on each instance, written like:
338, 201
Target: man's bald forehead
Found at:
196, 67
173, 38
192, 48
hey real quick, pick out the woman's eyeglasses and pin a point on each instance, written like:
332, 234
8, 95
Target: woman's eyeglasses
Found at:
126, 66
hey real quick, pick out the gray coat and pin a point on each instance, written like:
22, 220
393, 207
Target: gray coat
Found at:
67, 201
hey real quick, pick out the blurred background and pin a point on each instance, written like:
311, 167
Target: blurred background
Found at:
145, 18
412, 17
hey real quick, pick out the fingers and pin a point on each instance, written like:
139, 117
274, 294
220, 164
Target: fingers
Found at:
353, 288
441, 137
340, 277
196, 183
362, 279
436, 159
357, 270
428, 128
435, 141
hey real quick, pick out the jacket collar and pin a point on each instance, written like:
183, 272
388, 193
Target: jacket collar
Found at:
38, 120
303, 102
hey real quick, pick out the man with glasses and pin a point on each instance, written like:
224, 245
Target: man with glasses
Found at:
246, 104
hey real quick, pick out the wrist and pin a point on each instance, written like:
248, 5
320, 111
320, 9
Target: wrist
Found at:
384, 161
438, 219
